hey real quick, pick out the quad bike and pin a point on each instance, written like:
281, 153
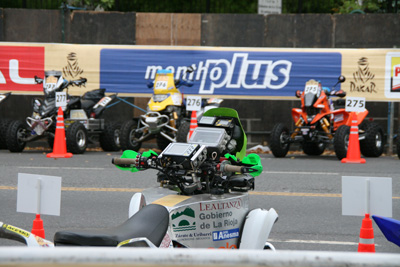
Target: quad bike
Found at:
202, 200
318, 124
81, 118
4, 123
166, 118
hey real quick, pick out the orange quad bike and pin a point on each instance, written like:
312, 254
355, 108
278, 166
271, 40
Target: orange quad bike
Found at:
318, 124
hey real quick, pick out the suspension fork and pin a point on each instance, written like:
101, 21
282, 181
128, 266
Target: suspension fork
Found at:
298, 124
325, 124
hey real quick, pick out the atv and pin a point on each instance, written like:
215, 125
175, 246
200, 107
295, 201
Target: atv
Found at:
81, 118
318, 124
4, 123
166, 118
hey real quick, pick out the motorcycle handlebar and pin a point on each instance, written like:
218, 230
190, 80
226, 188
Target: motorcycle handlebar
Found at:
125, 161
232, 168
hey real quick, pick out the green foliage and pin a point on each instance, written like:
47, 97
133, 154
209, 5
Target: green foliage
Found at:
353, 6
92, 4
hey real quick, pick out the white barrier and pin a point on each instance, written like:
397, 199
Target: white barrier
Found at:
64, 256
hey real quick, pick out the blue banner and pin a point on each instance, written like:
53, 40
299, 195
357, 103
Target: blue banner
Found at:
219, 72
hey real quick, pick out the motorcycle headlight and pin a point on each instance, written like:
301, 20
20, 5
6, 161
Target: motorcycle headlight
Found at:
159, 98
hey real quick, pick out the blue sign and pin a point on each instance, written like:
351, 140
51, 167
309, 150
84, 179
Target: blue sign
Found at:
218, 72
226, 234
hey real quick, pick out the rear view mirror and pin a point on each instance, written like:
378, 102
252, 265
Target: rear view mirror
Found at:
341, 79
298, 94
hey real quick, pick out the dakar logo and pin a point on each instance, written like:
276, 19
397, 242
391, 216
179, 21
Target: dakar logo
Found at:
185, 220
363, 78
72, 69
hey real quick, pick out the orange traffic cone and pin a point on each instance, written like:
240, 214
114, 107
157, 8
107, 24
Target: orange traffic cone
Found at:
367, 243
353, 149
193, 123
37, 228
60, 145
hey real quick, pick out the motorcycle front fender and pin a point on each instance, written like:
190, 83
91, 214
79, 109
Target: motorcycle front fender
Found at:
257, 227
297, 113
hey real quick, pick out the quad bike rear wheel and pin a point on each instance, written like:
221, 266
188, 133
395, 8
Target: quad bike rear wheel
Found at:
341, 141
17, 130
77, 138
278, 143
110, 137
129, 136
313, 149
398, 144
373, 143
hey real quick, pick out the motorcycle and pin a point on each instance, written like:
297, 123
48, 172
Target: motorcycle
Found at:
318, 123
4, 123
81, 118
166, 118
202, 200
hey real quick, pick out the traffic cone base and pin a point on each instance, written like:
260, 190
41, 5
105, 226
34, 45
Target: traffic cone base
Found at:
367, 243
37, 228
60, 144
353, 148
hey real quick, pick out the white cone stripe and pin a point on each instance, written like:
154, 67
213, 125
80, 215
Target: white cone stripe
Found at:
59, 127
367, 241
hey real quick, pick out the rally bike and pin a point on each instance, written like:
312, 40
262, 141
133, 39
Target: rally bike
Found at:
81, 118
318, 123
202, 200
166, 118
4, 123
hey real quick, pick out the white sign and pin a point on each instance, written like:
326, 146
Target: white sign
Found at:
39, 194
356, 104
61, 99
266, 7
361, 195
193, 103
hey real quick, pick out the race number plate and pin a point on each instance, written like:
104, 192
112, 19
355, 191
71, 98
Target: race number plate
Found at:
103, 102
193, 103
356, 104
61, 99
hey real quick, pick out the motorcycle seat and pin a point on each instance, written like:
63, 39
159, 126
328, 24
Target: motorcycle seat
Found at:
150, 222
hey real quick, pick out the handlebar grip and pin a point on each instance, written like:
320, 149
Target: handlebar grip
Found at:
124, 161
232, 168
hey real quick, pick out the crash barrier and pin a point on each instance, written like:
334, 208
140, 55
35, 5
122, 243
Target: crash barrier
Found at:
62, 256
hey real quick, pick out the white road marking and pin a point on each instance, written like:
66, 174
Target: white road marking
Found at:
64, 168
305, 173
324, 242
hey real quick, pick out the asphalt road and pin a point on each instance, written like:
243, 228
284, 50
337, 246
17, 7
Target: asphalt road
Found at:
305, 191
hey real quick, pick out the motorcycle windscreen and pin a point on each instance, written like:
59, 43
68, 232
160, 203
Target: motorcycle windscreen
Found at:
229, 112
309, 99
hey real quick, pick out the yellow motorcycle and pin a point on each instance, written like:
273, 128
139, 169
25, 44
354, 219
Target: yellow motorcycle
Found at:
166, 118
165, 111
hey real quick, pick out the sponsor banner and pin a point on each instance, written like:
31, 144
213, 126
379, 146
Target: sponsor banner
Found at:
232, 73
18, 67
243, 73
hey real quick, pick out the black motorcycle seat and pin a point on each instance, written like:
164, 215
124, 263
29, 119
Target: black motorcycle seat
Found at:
87, 104
150, 222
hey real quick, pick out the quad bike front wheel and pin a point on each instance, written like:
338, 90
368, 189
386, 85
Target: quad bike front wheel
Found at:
77, 138
373, 143
183, 132
341, 141
16, 131
313, 149
278, 142
4, 123
110, 137
129, 136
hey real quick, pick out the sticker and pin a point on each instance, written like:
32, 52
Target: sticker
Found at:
16, 230
226, 234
